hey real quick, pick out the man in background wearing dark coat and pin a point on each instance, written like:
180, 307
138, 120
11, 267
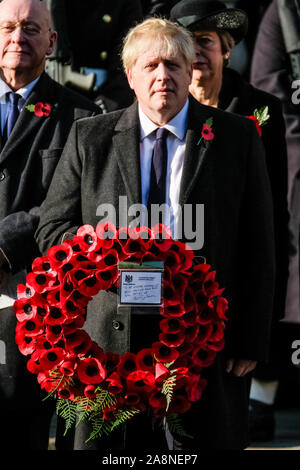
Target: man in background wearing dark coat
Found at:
110, 156
36, 116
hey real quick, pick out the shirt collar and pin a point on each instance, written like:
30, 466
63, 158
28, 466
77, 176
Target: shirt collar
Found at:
24, 92
176, 126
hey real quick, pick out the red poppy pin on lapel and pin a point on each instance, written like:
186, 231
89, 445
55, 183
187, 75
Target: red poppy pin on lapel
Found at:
260, 117
206, 132
39, 109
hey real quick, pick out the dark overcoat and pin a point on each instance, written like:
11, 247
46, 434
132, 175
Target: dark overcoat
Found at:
27, 163
239, 96
271, 72
228, 175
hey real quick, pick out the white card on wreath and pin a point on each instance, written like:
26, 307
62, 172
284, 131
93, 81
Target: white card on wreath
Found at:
141, 287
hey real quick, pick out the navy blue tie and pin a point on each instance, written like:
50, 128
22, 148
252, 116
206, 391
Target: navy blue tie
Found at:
157, 191
12, 115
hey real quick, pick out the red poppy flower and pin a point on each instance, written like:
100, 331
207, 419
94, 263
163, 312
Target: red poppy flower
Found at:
221, 306
157, 400
90, 391
111, 362
115, 385
26, 344
204, 333
41, 282
216, 345
140, 380
191, 333
26, 309
179, 404
127, 364
256, 121
24, 291
78, 342
42, 109
89, 238
41, 265
66, 394
32, 327
171, 325
206, 315
107, 233
95, 351
173, 340
164, 353
132, 399
55, 316
206, 132
203, 357
51, 357
68, 366
145, 360
196, 387
59, 255
91, 371
217, 331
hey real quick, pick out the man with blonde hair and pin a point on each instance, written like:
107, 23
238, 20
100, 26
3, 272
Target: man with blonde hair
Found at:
156, 152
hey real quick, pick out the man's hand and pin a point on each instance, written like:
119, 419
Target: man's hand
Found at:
240, 367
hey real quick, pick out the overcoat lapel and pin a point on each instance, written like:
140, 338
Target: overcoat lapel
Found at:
127, 152
27, 121
196, 153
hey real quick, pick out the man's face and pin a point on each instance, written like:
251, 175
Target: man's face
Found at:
160, 83
25, 36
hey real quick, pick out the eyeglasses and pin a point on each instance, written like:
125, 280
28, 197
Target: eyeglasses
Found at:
29, 29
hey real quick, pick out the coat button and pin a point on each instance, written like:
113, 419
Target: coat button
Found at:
2, 175
103, 55
106, 18
116, 325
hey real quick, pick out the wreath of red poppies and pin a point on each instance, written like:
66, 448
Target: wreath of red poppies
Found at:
167, 376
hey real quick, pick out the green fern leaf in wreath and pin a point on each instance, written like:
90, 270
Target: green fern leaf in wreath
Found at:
85, 406
123, 415
104, 399
67, 409
168, 387
100, 427
175, 426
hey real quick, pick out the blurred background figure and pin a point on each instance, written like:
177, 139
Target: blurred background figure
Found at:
87, 55
276, 69
217, 30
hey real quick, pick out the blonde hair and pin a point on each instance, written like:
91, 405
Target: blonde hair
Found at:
172, 40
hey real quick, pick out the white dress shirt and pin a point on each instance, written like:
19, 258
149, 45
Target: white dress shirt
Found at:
5, 105
8, 294
176, 141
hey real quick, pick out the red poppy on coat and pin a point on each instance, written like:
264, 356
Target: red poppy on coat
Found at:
164, 353
42, 109
140, 380
145, 360
203, 357
115, 385
91, 371
127, 364
256, 121
51, 357
206, 132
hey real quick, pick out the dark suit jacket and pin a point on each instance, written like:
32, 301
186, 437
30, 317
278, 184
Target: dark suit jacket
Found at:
271, 72
27, 163
238, 96
228, 175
